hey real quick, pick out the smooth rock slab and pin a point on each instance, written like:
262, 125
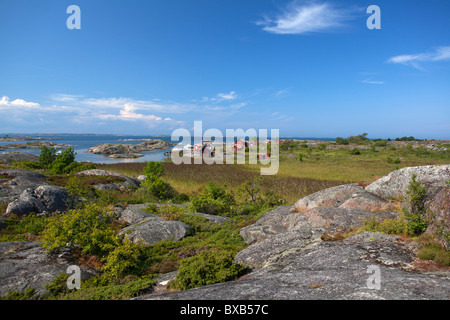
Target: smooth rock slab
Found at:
330, 197
395, 184
269, 250
152, 230
330, 219
275, 221
110, 186
331, 271
340, 219
26, 264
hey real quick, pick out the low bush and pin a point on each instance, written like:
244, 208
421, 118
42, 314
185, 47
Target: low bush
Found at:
26, 228
88, 228
126, 259
388, 226
208, 267
415, 213
214, 199
355, 151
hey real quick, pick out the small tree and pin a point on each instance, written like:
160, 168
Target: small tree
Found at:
154, 170
63, 160
153, 182
251, 188
47, 156
341, 141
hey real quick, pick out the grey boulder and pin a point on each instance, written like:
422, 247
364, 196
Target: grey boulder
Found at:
155, 229
44, 198
126, 182
394, 185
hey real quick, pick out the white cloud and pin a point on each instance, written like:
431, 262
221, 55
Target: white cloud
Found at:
313, 17
439, 54
65, 97
18, 103
128, 113
227, 96
369, 81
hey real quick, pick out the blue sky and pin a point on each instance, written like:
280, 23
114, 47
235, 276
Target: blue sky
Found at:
307, 68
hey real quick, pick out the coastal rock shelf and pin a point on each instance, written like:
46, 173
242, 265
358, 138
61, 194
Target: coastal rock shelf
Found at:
129, 150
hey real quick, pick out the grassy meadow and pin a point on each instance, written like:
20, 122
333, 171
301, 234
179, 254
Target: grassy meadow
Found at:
318, 169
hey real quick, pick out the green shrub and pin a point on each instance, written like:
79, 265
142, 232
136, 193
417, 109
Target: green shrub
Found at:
250, 189
379, 143
28, 294
300, 157
355, 151
388, 226
214, 199
208, 267
158, 188
22, 229
88, 227
154, 170
435, 252
359, 139
34, 165
416, 215
58, 286
47, 156
97, 288
127, 259
153, 183
341, 141
62, 161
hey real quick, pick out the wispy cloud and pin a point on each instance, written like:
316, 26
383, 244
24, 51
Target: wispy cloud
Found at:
369, 81
220, 97
227, 96
300, 18
281, 93
439, 54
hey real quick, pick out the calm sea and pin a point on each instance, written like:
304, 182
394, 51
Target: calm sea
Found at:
81, 144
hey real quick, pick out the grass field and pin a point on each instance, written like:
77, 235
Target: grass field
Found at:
319, 169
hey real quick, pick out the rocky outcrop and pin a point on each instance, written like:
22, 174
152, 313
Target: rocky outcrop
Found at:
338, 270
129, 150
8, 157
28, 192
154, 229
125, 183
330, 219
16, 181
132, 215
27, 264
34, 145
292, 254
349, 196
45, 198
394, 185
